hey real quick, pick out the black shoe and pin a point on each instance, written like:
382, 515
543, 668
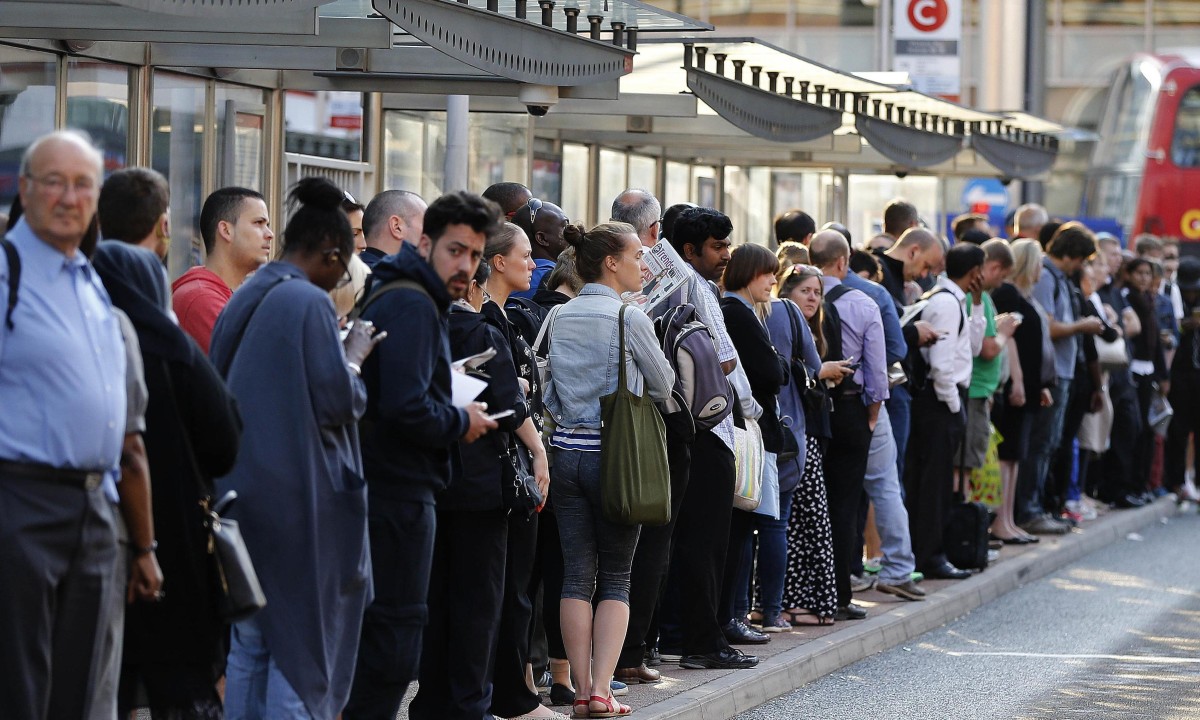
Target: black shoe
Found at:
1129, 501
653, 657
723, 659
739, 633
946, 571
561, 694
850, 612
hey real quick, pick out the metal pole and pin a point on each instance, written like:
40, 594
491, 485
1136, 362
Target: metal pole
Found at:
883, 19
458, 110
1035, 78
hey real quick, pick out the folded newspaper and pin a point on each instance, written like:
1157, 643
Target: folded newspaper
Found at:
665, 273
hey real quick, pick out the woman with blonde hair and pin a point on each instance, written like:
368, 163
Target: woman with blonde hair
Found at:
1031, 374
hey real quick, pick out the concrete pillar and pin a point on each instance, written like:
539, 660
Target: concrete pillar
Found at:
1002, 56
458, 110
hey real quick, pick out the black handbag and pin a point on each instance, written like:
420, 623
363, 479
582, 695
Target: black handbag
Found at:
522, 496
812, 391
239, 594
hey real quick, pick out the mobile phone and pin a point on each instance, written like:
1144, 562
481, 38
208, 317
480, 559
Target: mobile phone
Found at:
855, 365
499, 415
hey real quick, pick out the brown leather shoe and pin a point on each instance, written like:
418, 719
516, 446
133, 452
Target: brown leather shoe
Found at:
635, 675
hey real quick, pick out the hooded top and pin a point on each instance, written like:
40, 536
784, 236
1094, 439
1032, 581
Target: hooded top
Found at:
302, 501
199, 297
192, 432
411, 428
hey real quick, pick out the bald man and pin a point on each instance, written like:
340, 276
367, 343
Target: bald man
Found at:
392, 218
1029, 220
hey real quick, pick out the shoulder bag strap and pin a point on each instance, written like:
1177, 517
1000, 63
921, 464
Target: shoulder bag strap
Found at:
544, 333
622, 379
14, 279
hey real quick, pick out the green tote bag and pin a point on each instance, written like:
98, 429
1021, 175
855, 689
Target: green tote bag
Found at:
635, 485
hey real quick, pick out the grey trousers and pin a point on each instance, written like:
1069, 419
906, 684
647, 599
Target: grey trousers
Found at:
58, 549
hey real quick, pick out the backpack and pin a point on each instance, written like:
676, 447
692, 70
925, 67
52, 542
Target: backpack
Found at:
527, 316
831, 328
14, 279
916, 361
692, 353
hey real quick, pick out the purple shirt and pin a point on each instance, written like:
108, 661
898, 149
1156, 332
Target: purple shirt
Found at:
862, 339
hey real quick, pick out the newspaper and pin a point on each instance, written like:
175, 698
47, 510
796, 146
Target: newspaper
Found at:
665, 273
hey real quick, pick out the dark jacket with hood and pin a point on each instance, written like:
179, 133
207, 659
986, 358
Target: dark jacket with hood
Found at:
478, 487
411, 428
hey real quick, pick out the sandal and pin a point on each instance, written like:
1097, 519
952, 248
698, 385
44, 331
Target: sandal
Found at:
585, 711
800, 618
615, 708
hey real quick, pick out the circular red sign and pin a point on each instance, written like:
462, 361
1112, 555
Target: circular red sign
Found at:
928, 15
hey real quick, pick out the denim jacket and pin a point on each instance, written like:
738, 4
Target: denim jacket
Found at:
583, 343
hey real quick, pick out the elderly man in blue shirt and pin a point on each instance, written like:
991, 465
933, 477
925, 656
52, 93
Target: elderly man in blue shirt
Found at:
62, 380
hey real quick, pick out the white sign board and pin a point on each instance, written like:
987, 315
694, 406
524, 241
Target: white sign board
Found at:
927, 39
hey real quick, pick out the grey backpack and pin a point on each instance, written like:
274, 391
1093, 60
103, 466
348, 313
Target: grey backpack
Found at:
699, 380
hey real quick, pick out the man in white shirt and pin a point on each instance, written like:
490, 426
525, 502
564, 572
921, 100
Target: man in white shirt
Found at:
938, 406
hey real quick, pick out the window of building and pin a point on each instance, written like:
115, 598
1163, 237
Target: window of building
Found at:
27, 96
414, 152
177, 151
613, 181
643, 173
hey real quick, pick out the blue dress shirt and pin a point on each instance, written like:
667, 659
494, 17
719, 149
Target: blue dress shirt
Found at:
62, 367
862, 339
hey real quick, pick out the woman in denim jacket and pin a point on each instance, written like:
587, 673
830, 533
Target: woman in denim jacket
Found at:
582, 350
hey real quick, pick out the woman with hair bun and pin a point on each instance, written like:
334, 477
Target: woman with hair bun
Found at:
302, 501
583, 338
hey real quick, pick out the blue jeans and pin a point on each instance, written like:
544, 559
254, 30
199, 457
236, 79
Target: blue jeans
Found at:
255, 689
1043, 442
772, 562
899, 406
882, 483
597, 553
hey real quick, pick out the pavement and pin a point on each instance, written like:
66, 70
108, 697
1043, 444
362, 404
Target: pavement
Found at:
792, 660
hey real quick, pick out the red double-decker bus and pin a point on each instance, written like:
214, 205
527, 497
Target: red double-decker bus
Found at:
1145, 170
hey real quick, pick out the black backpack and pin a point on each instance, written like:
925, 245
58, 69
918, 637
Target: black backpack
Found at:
14, 279
918, 366
527, 316
965, 536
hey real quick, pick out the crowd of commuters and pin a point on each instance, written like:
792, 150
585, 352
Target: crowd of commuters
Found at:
402, 534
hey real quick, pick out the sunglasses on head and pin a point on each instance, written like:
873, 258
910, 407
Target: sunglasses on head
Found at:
534, 206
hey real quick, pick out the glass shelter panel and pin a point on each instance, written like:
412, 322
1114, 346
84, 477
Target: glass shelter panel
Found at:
177, 151
98, 103
27, 91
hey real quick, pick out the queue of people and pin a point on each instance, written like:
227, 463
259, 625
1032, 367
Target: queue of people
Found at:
402, 533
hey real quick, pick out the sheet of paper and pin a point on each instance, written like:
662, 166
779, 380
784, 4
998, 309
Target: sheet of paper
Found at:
465, 388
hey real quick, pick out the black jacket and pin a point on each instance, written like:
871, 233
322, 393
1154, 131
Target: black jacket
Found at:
763, 366
478, 487
410, 430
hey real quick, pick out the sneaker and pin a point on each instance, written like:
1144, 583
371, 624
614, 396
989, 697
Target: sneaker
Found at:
861, 584
545, 682
907, 590
776, 625
873, 566
619, 688
654, 657
916, 576
993, 556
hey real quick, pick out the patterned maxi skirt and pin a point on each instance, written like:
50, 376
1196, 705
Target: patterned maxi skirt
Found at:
809, 583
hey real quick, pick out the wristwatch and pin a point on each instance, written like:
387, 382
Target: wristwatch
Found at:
139, 551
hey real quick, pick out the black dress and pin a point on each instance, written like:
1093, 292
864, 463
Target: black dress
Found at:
1037, 367
174, 649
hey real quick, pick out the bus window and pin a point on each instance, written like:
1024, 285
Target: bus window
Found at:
1185, 146
1125, 128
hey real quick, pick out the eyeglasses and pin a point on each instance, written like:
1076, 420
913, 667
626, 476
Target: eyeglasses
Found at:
57, 184
534, 206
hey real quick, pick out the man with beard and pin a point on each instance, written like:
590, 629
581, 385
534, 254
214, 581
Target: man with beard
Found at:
408, 437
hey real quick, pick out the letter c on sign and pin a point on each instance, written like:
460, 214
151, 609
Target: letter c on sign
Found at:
927, 15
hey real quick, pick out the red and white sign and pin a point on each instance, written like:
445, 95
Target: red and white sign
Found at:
927, 37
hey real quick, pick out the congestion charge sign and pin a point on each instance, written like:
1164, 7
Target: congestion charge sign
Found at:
928, 15
927, 37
